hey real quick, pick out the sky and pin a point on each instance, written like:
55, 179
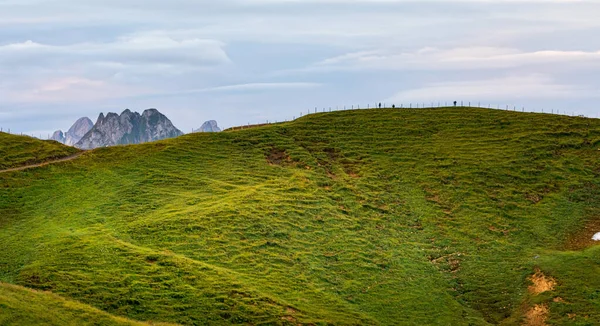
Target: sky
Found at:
252, 61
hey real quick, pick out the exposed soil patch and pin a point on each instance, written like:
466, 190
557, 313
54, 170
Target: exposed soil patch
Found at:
541, 283
583, 238
449, 263
352, 174
290, 320
537, 315
277, 156
534, 198
497, 230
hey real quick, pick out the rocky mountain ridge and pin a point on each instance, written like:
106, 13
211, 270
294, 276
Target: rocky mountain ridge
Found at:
128, 128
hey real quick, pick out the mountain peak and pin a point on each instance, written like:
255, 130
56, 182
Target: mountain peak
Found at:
75, 133
58, 136
209, 126
150, 112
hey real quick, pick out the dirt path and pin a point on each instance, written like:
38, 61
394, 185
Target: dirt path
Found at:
64, 159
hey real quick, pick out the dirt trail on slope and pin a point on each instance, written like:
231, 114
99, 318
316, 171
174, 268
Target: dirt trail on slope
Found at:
64, 159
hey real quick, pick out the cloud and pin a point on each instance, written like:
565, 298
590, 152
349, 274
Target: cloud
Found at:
514, 87
260, 86
70, 89
239, 88
37, 72
144, 48
198, 59
469, 58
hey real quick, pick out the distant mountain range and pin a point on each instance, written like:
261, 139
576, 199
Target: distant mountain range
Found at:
127, 128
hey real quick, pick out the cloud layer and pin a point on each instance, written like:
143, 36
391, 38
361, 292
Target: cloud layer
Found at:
254, 60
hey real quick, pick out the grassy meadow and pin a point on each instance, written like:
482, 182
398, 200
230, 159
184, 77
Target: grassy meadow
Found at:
16, 151
21, 306
364, 217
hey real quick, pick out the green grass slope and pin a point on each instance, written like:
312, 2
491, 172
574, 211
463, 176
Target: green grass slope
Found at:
16, 151
370, 217
20, 306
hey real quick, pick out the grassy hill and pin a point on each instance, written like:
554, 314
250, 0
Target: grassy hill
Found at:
371, 217
18, 151
21, 306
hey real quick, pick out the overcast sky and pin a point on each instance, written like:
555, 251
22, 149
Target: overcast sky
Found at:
248, 61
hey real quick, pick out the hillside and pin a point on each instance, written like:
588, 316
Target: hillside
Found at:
371, 217
17, 151
21, 306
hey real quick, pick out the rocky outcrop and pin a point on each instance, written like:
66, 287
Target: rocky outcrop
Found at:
75, 133
128, 128
209, 126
